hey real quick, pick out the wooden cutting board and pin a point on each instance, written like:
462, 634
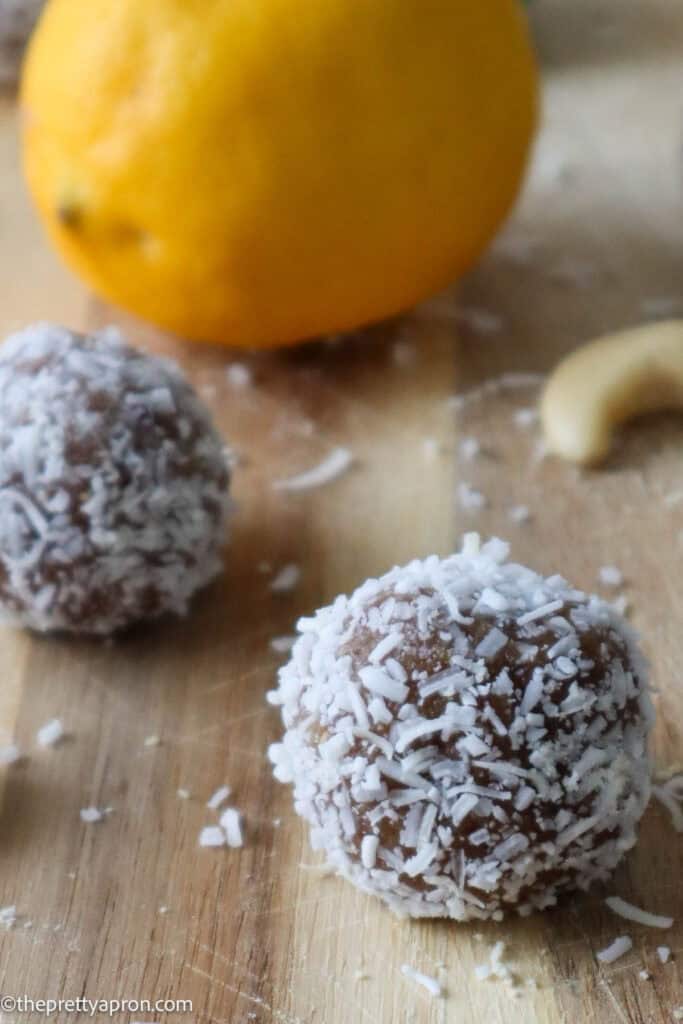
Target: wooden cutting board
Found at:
132, 907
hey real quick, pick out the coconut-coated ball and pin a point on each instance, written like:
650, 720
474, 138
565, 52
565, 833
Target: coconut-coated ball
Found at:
113, 483
466, 737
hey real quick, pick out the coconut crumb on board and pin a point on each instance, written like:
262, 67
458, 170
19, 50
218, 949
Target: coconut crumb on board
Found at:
231, 823
495, 967
50, 734
282, 644
212, 835
152, 741
286, 579
663, 954
8, 916
610, 576
333, 466
616, 949
91, 814
183, 794
525, 418
430, 984
469, 498
519, 514
644, 975
239, 376
218, 798
10, 754
470, 448
632, 913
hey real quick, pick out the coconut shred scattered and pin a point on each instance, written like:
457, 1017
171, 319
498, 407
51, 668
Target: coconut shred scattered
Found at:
286, 579
616, 949
610, 576
8, 916
495, 967
338, 462
282, 644
90, 815
218, 798
424, 980
212, 835
470, 499
50, 734
631, 913
427, 787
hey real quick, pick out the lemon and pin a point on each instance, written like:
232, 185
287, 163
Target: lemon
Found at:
254, 172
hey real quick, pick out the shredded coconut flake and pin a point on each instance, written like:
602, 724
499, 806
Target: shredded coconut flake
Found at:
8, 916
91, 815
282, 644
239, 376
218, 798
663, 954
232, 825
519, 513
610, 576
286, 579
616, 949
632, 913
470, 448
430, 984
335, 465
469, 498
50, 733
526, 418
212, 835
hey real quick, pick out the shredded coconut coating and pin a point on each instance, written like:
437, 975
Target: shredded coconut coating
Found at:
466, 737
113, 484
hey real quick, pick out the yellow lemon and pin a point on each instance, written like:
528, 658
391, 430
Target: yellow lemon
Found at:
255, 172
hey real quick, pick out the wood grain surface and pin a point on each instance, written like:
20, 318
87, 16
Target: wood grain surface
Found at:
132, 907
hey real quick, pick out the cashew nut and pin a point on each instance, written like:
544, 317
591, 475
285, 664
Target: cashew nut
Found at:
608, 382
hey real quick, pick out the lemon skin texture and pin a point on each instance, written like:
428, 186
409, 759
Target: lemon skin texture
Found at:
257, 172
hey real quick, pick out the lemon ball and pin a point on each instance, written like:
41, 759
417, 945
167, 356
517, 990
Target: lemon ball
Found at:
113, 483
466, 737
